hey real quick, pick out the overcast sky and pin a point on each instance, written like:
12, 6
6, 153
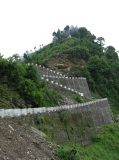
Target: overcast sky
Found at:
28, 23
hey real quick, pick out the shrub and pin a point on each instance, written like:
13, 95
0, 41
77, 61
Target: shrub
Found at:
97, 138
39, 120
66, 155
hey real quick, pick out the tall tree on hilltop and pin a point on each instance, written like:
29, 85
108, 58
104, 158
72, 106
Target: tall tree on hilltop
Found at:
54, 34
74, 31
67, 32
66, 28
25, 57
100, 41
83, 32
58, 35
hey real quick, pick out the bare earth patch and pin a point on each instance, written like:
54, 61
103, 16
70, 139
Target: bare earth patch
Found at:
23, 143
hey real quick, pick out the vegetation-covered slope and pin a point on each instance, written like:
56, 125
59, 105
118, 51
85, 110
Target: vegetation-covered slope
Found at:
82, 55
104, 146
21, 81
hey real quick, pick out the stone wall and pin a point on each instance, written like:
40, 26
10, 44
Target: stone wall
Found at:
76, 84
77, 123
99, 111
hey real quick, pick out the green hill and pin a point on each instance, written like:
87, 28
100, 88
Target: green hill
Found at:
82, 55
75, 52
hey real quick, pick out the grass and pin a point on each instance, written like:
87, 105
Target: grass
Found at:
9, 98
77, 98
95, 95
105, 146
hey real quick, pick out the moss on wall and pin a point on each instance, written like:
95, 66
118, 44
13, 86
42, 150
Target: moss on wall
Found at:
77, 124
63, 126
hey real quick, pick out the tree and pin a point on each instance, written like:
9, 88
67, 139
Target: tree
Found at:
111, 54
27, 51
99, 68
74, 31
25, 57
66, 28
58, 34
83, 32
54, 34
100, 41
1, 56
54, 39
15, 58
66, 31
110, 49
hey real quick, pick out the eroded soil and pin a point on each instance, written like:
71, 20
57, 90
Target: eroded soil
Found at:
23, 143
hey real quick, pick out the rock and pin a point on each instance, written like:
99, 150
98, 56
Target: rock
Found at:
40, 133
61, 66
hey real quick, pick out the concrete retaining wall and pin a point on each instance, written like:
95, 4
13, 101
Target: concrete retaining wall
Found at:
100, 111
78, 85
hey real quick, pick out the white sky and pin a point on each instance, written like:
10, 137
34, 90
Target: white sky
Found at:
27, 23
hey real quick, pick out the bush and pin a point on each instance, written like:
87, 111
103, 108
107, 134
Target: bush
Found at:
39, 120
77, 98
25, 80
64, 117
66, 155
97, 138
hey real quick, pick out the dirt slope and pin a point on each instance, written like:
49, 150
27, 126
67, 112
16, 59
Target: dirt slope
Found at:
23, 143
62, 63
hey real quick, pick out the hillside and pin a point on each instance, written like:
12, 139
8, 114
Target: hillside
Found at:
23, 143
83, 55
73, 53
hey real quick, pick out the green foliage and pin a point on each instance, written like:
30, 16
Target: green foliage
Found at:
25, 79
51, 50
83, 32
102, 76
38, 95
95, 95
93, 47
9, 98
64, 117
74, 31
78, 42
101, 66
39, 120
105, 76
110, 53
78, 71
15, 58
78, 98
71, 31
97, 138
66, 155
100, 41
79, 52
104, 146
